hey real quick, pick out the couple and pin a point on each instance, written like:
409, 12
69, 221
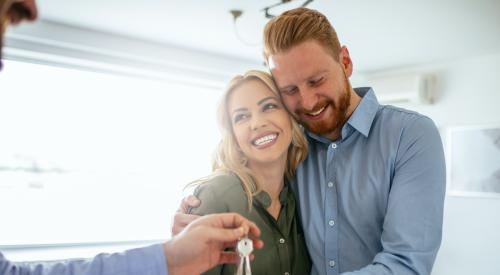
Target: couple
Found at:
369, 178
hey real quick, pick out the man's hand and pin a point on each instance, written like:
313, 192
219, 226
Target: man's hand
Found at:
14, 12
181, 218
20, 10
201, 245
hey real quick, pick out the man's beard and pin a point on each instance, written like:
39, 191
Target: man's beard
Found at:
335, 121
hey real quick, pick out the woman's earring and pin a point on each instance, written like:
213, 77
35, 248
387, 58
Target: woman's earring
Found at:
243, 159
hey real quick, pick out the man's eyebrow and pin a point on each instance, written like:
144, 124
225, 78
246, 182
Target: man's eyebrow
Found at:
317, 73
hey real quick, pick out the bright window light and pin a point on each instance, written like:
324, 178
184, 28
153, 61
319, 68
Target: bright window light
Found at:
91, 157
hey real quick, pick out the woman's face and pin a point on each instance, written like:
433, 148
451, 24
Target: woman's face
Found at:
262, 127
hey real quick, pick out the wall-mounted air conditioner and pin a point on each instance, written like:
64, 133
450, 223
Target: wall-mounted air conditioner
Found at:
404, 88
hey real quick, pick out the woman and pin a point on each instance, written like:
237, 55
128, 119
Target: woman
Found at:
260, 149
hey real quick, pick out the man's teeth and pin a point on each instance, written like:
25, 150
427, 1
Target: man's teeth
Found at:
317, 112
264, 139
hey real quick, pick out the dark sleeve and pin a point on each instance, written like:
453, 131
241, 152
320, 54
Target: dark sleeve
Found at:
212, 201
215, 197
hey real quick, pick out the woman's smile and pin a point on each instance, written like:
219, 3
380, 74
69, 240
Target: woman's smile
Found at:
265, 140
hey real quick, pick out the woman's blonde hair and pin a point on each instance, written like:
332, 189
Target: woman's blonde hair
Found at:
228, 156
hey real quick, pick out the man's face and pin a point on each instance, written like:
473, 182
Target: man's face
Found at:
13, 12
314, 86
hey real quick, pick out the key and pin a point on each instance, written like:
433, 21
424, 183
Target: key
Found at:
244, 248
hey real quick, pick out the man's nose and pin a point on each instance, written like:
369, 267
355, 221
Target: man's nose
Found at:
308, 99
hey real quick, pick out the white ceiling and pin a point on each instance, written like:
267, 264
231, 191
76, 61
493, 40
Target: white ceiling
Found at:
380, 34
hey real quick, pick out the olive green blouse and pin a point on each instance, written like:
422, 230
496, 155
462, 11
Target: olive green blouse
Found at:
284, 249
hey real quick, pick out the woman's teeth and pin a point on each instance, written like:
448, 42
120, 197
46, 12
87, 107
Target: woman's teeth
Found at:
264, 140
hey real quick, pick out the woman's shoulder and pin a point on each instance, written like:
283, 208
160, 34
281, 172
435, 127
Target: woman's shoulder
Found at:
221, 183
220, 193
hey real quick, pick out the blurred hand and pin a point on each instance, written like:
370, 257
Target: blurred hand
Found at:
20, 10
13, 12
181, 218
201, 245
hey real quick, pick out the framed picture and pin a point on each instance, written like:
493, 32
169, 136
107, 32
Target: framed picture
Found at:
474, 161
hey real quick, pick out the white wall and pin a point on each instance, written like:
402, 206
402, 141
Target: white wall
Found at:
469, 94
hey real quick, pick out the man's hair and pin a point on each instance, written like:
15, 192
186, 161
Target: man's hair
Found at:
296, 26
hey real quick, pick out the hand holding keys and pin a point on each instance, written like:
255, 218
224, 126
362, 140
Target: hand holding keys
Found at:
244, 248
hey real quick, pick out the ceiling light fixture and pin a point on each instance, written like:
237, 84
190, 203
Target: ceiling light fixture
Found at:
238, 13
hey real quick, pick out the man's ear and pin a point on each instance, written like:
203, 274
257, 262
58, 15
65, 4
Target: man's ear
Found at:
345, 61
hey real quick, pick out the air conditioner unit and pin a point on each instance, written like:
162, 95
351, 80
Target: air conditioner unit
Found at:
407, 88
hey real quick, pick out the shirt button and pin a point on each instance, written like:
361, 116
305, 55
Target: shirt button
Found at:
282, 241
330, 184
332, 263
334, 145
331, 223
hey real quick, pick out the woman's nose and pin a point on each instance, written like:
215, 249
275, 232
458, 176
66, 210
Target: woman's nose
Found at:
258, 121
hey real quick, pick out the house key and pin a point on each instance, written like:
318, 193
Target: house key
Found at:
244, 248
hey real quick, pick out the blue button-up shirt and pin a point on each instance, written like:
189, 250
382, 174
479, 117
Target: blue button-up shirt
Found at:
372, 201
141, 261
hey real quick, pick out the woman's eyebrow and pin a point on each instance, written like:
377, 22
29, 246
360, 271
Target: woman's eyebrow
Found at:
265, 99
242, 109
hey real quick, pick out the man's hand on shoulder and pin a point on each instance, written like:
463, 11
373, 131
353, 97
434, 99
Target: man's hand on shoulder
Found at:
182, 218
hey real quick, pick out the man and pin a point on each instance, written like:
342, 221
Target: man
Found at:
199, 247
13, 12
371, 191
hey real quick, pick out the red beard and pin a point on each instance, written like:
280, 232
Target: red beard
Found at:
328, 124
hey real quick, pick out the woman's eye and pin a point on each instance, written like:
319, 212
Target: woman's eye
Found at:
239, 117
270, 106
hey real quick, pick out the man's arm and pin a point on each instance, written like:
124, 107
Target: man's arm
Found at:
199, 247
413, 222
148, 260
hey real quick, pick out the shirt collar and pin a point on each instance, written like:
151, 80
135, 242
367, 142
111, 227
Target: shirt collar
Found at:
361, 119
265, 200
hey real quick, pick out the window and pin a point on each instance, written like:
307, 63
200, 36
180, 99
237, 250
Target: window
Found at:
91, 157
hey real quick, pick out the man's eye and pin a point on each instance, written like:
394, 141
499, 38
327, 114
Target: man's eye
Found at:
289, 91
317, 81
239, 117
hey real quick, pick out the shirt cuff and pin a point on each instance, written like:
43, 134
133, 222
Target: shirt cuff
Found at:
147, 260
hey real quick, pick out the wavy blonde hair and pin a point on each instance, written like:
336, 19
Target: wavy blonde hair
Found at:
229, 158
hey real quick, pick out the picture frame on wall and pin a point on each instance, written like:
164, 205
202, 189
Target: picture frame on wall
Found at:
474, 161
